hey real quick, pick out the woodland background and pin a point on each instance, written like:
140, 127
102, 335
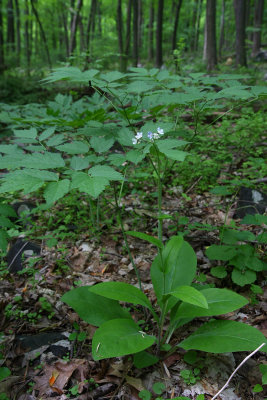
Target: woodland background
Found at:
122, 33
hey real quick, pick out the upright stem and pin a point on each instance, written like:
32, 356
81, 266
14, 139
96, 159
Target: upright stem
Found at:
125, 238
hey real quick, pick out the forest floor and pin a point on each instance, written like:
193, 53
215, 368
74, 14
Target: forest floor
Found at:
47, 347
46, 364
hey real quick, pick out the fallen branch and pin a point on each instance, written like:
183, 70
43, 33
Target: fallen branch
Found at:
240, 365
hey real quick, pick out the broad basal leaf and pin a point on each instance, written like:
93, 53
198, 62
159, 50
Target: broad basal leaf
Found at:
121, 291
190, 295
119, 337
220, 301
176, 268
92, 308
225, 337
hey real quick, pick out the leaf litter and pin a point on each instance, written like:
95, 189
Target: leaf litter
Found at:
46, 375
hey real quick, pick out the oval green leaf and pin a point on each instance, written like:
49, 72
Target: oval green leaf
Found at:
224, 337
220, 301
119, 337
190, 295
92, 308
121, 291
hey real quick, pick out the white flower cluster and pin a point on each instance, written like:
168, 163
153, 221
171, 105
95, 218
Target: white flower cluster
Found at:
151, 136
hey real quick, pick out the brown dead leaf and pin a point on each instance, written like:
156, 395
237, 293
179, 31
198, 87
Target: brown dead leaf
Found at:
58, 374
135, 382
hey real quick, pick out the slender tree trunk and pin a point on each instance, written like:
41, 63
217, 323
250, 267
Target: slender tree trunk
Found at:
99, 18
120, 33
18, 41
65, 27
82, 46
10, 26
27, 37
211, 34
135, 33
140, 24
127, 37
194, 20
249, 19
159, 59
176, 21
222, 23
42, 32
151, 31
198, 24
74, 27
2, 55
240, 18
258, 17
90, 24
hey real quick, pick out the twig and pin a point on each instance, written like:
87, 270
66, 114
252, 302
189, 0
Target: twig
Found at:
240, 365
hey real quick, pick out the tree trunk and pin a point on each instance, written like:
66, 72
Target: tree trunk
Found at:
120, 33
74, 25
258, 17
176, 21
151, 31
193, 29
27, 37
2, 55
222, 23
65, 26
198, 25
128, 28
159, 59
135, 33
90, 24
10, 26
18, 41
42, 32
240, 18
80, 23
99, 18
211, 34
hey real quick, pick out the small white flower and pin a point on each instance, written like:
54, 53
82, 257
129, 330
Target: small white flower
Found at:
160, 131
156, 136
134, 140
139, 135
150, 135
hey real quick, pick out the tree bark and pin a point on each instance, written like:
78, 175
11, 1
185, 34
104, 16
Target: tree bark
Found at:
18, 41
211, 34
74, 25
258, 17
193, 30
27, 37
198, 25
10, 27
240, 18
2, 55
89, 29
65, 27
222, 23
120, 33
135, 33
159, 59
42, 32
151, 31
176, 21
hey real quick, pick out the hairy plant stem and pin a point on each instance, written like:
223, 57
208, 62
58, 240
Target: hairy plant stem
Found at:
118, 211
